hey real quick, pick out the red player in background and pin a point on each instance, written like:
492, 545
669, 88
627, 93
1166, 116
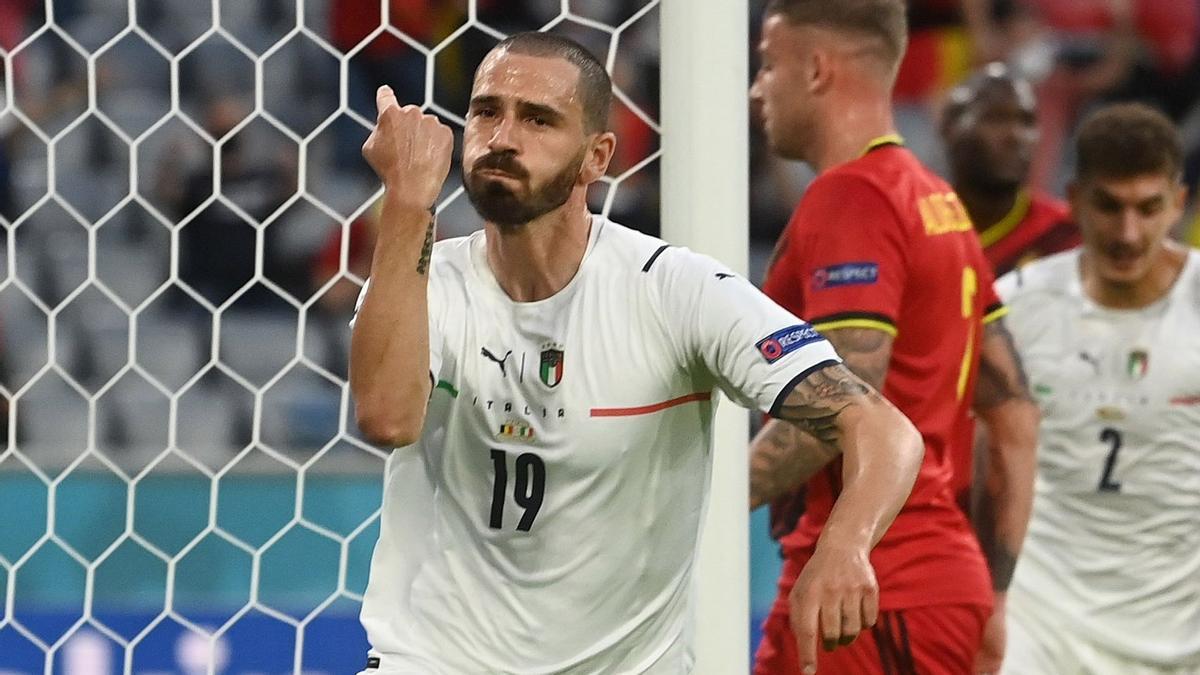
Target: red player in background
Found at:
989, 126
881, 257
990, 129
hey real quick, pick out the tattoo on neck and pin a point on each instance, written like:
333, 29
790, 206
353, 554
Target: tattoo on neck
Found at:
427, 247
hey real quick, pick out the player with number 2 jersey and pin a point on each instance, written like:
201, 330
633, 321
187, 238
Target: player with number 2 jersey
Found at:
1109, 580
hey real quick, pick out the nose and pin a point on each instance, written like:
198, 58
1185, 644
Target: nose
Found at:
503, 137
1129, 226
755, 92
1012, 133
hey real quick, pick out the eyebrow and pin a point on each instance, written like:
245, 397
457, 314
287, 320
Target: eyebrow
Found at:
530, 108
1151, 201
525, 107
1103, 195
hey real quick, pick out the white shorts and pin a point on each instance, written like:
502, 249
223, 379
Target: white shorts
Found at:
1039, 644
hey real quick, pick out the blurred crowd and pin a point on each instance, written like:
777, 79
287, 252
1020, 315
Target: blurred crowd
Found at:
273, 235
207, 182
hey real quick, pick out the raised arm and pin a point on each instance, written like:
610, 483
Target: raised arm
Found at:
1004, 489
389, 349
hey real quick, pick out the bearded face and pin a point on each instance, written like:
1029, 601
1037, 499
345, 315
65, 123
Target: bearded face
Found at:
504, 192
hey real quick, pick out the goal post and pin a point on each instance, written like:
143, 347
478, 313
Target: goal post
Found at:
705, 206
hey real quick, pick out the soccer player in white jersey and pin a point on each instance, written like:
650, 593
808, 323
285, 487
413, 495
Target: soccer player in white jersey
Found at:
549, 383
1109, 578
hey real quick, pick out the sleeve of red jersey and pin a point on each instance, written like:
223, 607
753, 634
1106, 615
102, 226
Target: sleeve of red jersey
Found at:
853, 263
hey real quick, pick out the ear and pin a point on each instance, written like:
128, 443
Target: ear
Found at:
818, 69
595, 162
1181, 195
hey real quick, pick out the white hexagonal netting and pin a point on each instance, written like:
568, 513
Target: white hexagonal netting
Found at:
186, 223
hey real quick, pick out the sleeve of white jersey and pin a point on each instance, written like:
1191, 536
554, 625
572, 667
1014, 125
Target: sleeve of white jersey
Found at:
1007, 285
436, 303
756, 351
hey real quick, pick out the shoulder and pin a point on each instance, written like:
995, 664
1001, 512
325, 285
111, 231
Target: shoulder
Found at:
1041, 280
1049, 207
454, 251
882, 188
450, 261
843, 184
1190, 277
892, 172
625, 250
628, 251
843, 202
680, 265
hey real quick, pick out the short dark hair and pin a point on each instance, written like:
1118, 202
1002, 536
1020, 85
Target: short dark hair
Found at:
595, 86
886, 20
991, 78
1127, 140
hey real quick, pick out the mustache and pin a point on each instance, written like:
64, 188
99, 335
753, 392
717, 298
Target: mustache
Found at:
501, 161
1122, 251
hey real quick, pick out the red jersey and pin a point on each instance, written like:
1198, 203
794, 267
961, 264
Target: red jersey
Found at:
881, 242
1037, 226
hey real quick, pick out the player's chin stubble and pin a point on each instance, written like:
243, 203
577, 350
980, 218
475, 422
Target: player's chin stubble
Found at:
497, 203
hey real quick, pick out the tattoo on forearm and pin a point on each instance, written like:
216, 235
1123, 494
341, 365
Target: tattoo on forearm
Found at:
815, 403
1000, 379
773, 456
427, 247
783, 458
781, 438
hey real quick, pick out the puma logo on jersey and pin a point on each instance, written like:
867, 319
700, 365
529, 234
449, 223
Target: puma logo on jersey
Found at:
499, 361
723, 275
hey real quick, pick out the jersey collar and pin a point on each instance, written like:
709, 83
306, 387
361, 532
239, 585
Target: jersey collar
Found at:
1009, 222
881, 141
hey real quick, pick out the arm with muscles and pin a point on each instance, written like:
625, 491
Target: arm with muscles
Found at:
842, 264
1004, 490
762, 356
834, 411
783, 456
389, 351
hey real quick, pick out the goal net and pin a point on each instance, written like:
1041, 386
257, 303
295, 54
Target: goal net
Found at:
187, 221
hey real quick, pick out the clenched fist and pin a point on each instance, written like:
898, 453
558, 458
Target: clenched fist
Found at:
410, 151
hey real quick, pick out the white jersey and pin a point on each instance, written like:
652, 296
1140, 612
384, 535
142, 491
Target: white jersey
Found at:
1114, 541
547, 521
